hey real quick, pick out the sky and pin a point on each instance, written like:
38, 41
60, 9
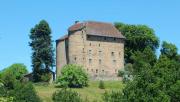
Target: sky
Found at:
17, 17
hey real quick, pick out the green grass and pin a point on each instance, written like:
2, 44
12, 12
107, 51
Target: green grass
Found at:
92, 92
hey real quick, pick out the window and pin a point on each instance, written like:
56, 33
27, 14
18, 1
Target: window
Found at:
96, 70
99, 45
104, 38
75, 58
112, 53
90, 61
114, 61
83, 50
114, 39
100, 61
89, 44
90, 51
100, 53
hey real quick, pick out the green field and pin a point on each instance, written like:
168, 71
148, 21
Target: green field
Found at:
92, 92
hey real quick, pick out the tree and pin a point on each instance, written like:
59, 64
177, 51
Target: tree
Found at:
42, 47
12, 73
169, 50
65, 95
138, 37
73, 76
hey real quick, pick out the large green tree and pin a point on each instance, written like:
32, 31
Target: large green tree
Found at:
42, 47
169, 50
138, 37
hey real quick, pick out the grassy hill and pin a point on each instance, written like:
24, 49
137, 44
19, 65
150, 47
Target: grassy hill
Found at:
92, 92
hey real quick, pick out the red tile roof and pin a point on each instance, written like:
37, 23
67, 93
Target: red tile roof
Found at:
97, 28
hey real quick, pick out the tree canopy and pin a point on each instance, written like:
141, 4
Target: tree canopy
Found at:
138, 37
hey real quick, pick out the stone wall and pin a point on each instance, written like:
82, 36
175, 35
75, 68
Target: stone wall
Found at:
61, 58
101, 57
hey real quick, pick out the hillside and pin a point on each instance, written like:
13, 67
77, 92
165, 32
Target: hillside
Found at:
92, 92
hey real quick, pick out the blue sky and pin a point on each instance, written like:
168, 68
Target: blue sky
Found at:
17, 17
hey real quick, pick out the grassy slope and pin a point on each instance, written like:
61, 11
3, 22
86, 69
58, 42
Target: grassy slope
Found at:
92, 92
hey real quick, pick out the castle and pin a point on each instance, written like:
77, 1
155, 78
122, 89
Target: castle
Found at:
97, 46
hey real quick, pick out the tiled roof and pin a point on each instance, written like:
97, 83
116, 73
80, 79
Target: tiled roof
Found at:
98, 29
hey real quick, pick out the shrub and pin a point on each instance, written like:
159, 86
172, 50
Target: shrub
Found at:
17, 70
24, 92
113, 97
65, 95
73, 76
101, 85
46, 77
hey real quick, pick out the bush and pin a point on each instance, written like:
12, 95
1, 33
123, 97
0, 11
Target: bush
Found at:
101, 85
73, 76
24, 92
65, 95
113, 97
17, 70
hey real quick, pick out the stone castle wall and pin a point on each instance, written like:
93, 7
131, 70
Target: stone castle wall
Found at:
101, 57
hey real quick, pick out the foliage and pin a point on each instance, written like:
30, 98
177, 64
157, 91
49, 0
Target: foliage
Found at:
42, 47
17, 70
141, 59
153, 83
12, 73
112, 96
46, 77
127, 73
169, 50
101, 85
174, 92
6, 99
65, 95
138, 37
73, 76
24, 92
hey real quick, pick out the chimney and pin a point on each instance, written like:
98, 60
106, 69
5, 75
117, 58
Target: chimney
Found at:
76, 22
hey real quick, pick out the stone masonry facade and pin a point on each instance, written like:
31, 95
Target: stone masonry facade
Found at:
97, 46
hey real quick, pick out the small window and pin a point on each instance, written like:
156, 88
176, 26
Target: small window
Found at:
112, 53
96, 70
114, 61
75, 58
90, 51
103, 71
100, 53
100, 61
90, 61
89, 44
99, 45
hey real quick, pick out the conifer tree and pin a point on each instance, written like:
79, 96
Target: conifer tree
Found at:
42, 50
